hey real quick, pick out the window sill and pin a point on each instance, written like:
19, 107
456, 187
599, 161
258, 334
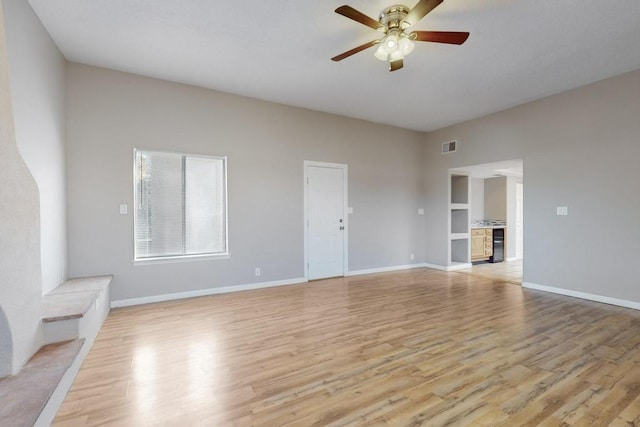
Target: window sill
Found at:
175, 259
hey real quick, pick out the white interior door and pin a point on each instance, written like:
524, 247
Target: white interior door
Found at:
519, 221
326, 222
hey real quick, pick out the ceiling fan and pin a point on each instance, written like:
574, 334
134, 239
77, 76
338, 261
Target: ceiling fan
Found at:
394, 22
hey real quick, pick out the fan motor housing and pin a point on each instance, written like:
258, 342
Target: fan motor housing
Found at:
393, 16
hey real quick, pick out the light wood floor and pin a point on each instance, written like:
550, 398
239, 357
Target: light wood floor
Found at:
504, 271
419, 347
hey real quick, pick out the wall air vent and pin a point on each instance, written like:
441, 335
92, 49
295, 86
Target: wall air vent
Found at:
449, 147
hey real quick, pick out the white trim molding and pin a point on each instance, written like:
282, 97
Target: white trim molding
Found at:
204, 292
453, 267
182, 258
583, 295
435, 266
384, 269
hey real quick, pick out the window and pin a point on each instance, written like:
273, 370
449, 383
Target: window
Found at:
180, 205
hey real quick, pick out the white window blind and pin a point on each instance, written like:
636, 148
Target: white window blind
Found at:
180, 205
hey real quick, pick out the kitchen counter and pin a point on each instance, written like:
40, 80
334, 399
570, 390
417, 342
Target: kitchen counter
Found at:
488, 223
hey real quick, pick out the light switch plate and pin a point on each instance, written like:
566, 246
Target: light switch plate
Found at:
349, 210
562, 210
124, 209
420, 211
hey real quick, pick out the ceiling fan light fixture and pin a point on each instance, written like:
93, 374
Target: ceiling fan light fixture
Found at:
406, 46
390, 43
396, 43
396, 55
380, 53
394, 47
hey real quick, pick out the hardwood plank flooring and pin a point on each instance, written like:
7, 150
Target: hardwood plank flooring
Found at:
417, 347
506, 271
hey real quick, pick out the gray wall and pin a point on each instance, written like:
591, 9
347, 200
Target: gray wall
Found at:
580, 149
37, 76
20, 279
495, 198
110, 113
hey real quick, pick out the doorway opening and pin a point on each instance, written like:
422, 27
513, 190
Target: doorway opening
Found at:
496, 220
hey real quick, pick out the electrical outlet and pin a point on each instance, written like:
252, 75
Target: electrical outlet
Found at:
258, 272
562, 210
412, 257
420, 211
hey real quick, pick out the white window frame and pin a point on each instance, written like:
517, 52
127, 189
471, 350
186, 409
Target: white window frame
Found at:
188, 257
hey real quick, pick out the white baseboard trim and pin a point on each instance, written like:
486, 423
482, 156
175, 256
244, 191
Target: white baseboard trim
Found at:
453, 267
583, 295
204, 292
436, 266
511, 259
457, 267
384, 269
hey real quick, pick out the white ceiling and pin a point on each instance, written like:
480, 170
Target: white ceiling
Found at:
279, 50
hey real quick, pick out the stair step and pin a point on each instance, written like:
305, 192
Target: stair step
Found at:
73, 298
25, 395
67, 306
72, 315
75, 309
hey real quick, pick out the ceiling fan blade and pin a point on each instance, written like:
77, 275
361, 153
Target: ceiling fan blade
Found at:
450, 37
396, 65
355, 50
358, 16
420, 10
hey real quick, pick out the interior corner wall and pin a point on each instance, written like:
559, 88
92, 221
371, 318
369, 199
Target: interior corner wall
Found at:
20, 280
109, 113
37, 74
580, 149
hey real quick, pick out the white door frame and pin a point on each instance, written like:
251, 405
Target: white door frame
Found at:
520, 235
345, 169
